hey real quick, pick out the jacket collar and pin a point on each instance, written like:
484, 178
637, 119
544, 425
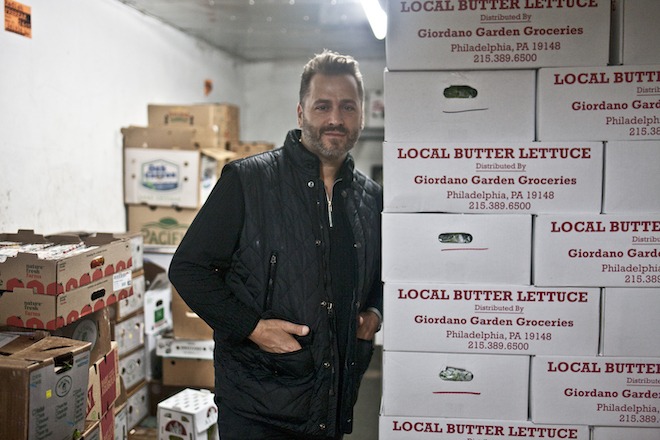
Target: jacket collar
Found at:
308, 162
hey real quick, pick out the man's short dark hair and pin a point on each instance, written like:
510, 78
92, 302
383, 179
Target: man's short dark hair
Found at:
330, 63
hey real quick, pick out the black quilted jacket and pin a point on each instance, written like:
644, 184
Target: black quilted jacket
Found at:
281, 269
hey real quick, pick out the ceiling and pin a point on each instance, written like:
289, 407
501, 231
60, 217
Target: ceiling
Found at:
268, 30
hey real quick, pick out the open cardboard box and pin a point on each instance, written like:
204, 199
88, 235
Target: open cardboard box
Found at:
44, 387
104, 256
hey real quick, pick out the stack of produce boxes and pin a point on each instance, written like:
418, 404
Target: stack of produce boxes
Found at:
133, 322
66, 285
123, 316
114, 331
171, 166
187, 352
474, 322
618, 250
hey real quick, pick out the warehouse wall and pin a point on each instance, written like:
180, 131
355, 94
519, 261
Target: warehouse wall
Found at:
89, 69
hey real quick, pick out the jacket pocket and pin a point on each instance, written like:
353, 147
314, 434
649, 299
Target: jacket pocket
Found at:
295, 365
283, 386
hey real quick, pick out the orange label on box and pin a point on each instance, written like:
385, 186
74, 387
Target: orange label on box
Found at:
18, 18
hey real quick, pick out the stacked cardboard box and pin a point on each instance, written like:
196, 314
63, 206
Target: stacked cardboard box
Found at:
187, 352
104, 380
49, 282
45, 383
485, 304
616, 249
173, 364
69, 284
171, 166
634, 33
138, 363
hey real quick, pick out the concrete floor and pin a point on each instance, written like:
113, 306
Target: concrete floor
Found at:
365, 417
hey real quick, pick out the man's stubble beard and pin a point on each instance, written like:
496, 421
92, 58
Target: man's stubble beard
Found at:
314, 141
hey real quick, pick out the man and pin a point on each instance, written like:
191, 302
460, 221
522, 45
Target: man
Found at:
283, 262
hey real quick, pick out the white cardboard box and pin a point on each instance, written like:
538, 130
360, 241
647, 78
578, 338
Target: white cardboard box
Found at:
154, 363
598, 103
631, 179
630, 322
612, 433
614, 250
167, 346
457, 248
190, 413
158, 306
136, 240
458, 34
408, 428
182, 178
479, 386
599, 391
374, 109
129, 333
133, 368
121, 422
468, 318
460, 106
127, 306
491, 178
635, 34
138, 405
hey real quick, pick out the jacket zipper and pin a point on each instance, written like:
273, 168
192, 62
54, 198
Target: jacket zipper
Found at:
329, 209
272, 269
329, 202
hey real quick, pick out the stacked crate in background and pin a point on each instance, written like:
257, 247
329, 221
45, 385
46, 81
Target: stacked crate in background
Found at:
58, 293
494, 157
187, 352
171, 166
138, 364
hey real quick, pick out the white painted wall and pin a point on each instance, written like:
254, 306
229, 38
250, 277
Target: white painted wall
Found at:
90, 69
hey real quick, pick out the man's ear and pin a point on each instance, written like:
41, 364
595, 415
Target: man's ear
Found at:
299, 111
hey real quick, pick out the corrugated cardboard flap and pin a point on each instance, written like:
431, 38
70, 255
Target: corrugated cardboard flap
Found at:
51, 347
219, 154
